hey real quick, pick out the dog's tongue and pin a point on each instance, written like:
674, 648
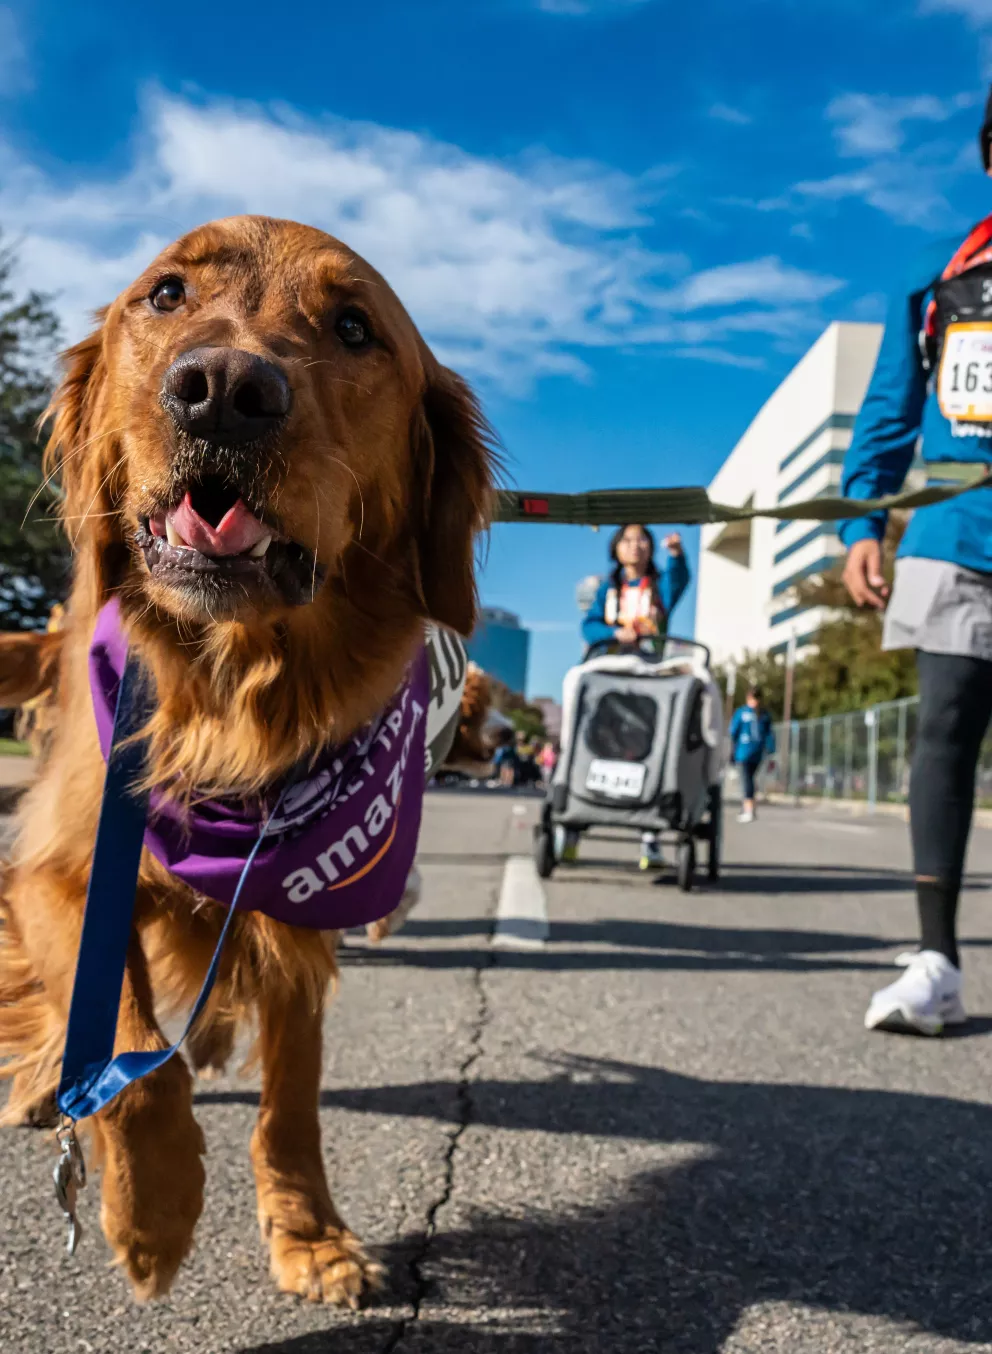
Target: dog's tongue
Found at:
236, 532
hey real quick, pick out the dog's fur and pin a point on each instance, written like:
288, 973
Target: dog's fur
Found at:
28, 666
383, 471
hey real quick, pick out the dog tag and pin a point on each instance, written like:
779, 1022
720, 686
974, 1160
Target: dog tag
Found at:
69, 1177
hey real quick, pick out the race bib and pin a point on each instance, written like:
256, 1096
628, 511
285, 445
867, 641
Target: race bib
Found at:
964, 381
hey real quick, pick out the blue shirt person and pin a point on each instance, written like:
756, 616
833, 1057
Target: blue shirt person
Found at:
636, 598
751, 737
903, 405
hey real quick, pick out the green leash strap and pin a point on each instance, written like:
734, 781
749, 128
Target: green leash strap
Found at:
692, 506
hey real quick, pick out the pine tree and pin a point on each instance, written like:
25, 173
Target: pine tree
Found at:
33, 553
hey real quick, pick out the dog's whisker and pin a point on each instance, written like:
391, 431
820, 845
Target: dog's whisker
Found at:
313, 580
77, 517
107, 477
361, 496
63, 461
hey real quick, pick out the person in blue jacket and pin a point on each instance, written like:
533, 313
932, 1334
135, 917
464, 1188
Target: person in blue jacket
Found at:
933, 380
635, 599
630, 611
751, 737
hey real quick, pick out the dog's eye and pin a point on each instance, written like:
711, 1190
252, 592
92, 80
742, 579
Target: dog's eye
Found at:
353, 329
168, 295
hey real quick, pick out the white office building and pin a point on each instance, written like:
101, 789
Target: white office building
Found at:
793, 450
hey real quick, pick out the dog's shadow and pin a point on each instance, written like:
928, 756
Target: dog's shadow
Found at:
853, 1202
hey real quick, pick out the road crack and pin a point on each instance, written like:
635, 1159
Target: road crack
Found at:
417, 1262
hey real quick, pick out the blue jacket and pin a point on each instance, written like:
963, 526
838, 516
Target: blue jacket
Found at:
898, 408
751, 734
673, 579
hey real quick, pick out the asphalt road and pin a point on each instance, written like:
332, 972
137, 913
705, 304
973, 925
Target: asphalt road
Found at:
663, 1130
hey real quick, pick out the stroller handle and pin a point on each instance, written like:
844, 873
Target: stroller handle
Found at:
648, 654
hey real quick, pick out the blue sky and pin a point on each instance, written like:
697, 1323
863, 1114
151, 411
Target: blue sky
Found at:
623, 220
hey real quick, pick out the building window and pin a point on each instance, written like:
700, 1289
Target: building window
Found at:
824, 529
842, 422
781, 616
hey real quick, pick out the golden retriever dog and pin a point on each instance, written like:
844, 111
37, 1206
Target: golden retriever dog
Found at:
266, 468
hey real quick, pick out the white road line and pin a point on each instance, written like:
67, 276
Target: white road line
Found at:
522, 911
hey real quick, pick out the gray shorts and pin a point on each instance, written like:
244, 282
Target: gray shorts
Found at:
941, 608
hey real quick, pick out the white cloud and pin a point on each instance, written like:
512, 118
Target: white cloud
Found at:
767, 280
512, 269
723, 358
15, 74
874, 124
910, 190
910, 182
725, 112
978, 12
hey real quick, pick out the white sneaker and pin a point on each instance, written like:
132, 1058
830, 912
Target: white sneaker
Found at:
652, 856
904, 958
925, 999
745, 817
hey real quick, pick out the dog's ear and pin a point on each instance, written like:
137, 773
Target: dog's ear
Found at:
455, 459
83, 451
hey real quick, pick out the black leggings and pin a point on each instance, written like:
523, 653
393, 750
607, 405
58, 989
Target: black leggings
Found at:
955, 709
748, 770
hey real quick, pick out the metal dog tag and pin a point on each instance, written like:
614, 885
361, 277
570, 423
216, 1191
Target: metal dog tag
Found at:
69, 1177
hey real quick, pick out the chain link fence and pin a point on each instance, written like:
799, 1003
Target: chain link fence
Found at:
863, 755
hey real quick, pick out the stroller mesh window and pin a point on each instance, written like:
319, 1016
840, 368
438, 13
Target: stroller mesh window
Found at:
622, 727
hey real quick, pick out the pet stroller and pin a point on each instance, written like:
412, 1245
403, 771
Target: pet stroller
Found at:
641, 750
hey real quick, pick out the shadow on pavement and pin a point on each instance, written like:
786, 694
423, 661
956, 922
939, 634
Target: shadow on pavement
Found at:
848, 1201
637, 945
665, 935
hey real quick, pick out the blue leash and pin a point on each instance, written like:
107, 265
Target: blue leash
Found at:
91, 1075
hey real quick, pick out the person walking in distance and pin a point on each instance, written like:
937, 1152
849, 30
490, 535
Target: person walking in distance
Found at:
751, 737
933, 381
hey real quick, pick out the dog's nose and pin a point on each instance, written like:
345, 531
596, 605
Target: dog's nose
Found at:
225, 394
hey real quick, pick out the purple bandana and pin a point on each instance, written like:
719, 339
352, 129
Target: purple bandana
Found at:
339, 852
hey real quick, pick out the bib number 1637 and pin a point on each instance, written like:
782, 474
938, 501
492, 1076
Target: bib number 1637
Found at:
964, 382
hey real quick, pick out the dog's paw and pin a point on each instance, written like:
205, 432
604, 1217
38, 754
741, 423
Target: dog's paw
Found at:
210, 1045
377, 931
151, 1263
332, 1268
151, 1199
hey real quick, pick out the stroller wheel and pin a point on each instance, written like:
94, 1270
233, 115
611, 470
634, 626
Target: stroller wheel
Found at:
686, 864
544, 852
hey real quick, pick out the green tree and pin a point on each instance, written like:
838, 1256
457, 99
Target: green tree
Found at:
848, 668
525, 718
33, 553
